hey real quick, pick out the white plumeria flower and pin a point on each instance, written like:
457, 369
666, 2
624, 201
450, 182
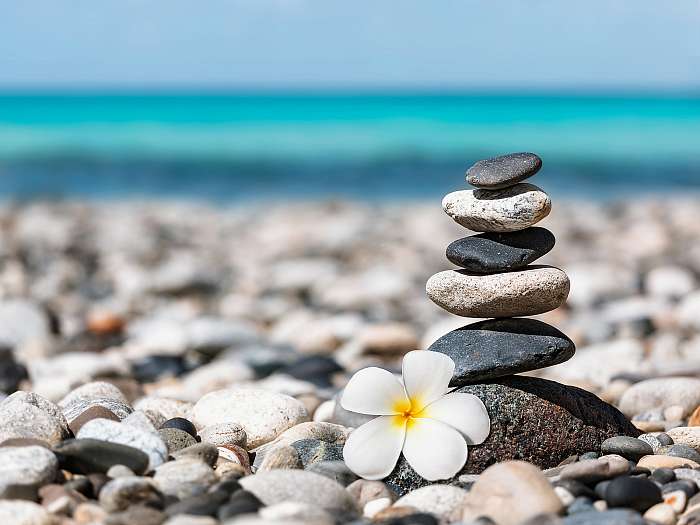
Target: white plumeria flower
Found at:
417, 416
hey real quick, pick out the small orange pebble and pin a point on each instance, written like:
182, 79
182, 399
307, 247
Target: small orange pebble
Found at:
105, 323
694, 420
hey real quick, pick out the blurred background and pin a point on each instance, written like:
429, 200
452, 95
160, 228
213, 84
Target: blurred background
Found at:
251, 99
251, 183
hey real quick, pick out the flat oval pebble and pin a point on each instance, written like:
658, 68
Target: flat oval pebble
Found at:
627, 447
276, 486
507, 210
531, 291
85, 456
263, 414
184, 478
661, 393
224, 434
439, 500
503, 171
501, 347
500, 252
502, 489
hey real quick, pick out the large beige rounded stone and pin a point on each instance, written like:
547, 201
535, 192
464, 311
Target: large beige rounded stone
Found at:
510, 493
531, 291
507, 210
262, 414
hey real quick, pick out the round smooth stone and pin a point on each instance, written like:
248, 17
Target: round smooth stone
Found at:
635, 493
501, 172
500, 252
263, 414
508, 210
501, 347
531, 291
627, 447
24, 469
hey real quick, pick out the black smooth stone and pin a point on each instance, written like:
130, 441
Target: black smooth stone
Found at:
502, 347
87, 456
664, 438
601, 487
317, 369
11, 372
229, 486
155, 367
500, 252
181, 423
501, 172
206, 504
663, 475
419, 518
634, 493
81, 485
241, 502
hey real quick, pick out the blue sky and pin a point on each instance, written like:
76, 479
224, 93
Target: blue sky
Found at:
637, 44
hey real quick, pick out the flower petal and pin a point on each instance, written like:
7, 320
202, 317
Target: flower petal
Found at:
372, 449
434, 450
464, 412
426, 376
374, 391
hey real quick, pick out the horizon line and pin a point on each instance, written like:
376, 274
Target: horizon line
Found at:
379, 90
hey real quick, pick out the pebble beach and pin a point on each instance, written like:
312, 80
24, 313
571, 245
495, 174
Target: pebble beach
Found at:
180, 363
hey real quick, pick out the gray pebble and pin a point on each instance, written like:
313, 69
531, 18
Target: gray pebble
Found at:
121, 493
176, 439
501, 172
184, 478
335, 470
205, 452
627, 447
24, 469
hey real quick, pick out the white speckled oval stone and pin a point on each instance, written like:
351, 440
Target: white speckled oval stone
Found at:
531, 291
263, 414
511, 209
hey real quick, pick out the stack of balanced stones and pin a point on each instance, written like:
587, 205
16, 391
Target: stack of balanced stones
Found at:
497, 279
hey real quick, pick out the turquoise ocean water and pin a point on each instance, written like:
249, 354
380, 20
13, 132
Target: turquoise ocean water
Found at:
228, 147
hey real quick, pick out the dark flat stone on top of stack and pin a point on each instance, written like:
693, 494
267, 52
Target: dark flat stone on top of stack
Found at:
500, 347
501, 172
500, 252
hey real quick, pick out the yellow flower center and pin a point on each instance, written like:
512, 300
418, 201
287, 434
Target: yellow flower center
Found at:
406, 410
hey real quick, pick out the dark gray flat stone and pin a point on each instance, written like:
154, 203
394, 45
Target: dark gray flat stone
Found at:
501, 172
500, 347
534, 420
86, 456
500, 252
